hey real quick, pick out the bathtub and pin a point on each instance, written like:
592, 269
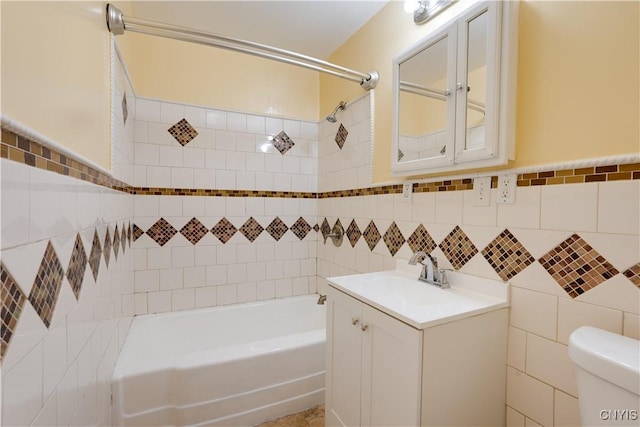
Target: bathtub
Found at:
235, 365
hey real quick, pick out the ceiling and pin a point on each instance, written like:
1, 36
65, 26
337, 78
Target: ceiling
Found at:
312, 27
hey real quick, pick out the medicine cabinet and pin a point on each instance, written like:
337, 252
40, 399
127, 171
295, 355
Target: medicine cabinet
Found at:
454, 94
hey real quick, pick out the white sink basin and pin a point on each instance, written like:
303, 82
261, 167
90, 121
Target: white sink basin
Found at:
400, 294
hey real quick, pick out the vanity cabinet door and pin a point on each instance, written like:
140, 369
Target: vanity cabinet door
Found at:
373, 366
344, 360
392, 374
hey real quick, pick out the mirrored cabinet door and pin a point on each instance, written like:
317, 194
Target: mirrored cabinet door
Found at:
475, 79
426, 103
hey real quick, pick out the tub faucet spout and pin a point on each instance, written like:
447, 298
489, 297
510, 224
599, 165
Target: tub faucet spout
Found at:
322, 299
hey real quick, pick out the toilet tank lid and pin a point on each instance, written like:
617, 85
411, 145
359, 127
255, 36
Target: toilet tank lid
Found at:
610, 356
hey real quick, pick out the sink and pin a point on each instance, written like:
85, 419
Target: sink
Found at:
400, 294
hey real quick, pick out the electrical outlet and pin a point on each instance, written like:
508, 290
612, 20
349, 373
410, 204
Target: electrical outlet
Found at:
507, 188
407, 190
482, 191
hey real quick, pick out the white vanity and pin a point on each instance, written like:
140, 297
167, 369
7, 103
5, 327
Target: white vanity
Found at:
406, 353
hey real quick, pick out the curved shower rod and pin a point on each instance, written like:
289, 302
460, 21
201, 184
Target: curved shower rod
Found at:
117, 23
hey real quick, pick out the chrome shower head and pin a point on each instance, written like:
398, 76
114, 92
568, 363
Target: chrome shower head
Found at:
332, 117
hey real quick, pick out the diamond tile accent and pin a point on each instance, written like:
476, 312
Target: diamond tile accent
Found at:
316, 227
12, 303
94, 256
507, 256
137, 232
325, 229
400, 154
116, 242
393, 238
251, 229
161, 231
633, 274
301, 228
46, 287
183, 132
123, 238
129, 233
371, 235
576, 266
421, 240
277, 228
193, 231
224, 230
107, 247
353, 233
458, 248
77, 266
341, 136
125, 109
282, 142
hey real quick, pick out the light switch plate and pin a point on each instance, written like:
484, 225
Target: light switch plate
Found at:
407, 191
482, 191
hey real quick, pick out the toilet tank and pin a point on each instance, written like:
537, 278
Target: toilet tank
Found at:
608, 376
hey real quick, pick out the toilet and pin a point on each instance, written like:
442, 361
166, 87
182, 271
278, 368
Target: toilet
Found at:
608, 377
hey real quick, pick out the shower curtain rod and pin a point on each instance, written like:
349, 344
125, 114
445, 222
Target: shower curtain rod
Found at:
117, 23
437, 94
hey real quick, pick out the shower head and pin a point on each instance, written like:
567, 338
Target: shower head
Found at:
332, 117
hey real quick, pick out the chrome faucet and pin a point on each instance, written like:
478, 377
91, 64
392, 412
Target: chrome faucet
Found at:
430, 272
322, 299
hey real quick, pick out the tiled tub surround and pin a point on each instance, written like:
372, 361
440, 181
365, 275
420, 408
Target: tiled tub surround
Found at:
570, 252
67, 292
192, 147
196, 251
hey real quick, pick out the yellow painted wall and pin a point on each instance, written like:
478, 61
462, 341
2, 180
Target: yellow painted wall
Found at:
578, 86
55, 73
204, 75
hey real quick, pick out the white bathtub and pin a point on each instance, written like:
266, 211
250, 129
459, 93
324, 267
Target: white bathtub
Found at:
235, 365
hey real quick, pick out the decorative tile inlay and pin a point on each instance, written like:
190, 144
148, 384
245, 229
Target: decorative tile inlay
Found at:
458, 248
129, 233
507, 256
251, 229
46, 287
193, 231
353, 233
576, 266
94, 256
161, 231
123, 238
301, 228
107, 247
400, 154
224, 230
421, 240
316, 227
393, 238
137, 232
125, 110
116, 242
371, 235
183, 132
633, 274
282, 142
325, 229
77, 266
12, 302
277, 228
341, 136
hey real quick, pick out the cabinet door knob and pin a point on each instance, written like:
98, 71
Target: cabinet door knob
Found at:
364, 327
354, 321
459, 86
447, 92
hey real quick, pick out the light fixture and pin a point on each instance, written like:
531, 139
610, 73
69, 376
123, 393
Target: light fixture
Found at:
423, 10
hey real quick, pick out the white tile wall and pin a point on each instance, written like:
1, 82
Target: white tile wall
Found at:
226, 154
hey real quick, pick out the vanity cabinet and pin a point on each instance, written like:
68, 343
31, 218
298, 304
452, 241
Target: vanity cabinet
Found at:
454, 94
384, 372
373, 366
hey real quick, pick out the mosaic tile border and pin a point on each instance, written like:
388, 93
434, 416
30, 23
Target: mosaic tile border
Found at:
17, 148
49, 279
573, 263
